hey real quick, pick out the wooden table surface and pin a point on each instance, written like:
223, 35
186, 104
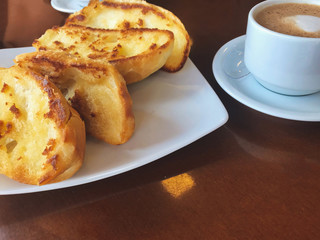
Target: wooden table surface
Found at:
256, 177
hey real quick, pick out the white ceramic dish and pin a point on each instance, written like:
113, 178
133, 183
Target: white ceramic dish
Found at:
171, 109
227, 64
69, 6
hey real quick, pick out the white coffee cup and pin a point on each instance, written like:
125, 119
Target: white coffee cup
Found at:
282, 63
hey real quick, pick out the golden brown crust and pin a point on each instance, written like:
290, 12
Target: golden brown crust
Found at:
45, 141
136, 53
97, 91
59, 108
71, 135
137, 14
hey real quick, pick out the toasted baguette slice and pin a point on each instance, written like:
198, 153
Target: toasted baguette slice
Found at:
136, 53
42, 139
125, 14
97, 91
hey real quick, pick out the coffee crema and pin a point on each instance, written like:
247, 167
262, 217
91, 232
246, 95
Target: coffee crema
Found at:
296, 19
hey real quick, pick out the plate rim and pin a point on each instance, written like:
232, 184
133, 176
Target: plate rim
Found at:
56, 6
221, 119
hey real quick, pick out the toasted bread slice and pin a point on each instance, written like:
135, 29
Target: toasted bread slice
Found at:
136, 53
125, 14
42, 139
97, 91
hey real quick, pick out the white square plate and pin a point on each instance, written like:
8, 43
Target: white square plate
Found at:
171, 110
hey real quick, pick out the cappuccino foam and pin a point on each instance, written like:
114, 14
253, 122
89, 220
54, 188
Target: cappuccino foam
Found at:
297, 19
307, 23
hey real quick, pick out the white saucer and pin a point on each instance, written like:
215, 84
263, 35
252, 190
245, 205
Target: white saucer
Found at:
249, 92
69, 6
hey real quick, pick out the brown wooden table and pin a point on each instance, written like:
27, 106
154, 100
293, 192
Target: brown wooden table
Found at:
257, 177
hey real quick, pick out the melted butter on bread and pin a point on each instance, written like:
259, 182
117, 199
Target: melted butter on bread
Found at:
33, 115
136, 53
125, 14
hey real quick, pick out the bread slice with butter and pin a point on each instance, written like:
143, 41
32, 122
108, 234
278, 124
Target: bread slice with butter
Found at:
42, 138
136, 53
97, 91
126, 14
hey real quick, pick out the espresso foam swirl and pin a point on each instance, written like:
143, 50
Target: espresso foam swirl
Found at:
307, 23
297, 19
